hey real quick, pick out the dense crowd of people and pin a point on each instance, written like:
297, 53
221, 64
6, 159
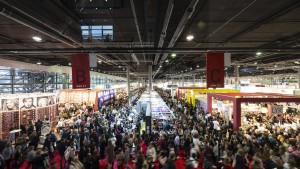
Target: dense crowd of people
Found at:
200, 139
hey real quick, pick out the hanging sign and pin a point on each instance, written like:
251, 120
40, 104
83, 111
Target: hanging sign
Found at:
80, 71
215, 70
277, 109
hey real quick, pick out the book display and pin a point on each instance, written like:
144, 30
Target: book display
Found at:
17, 109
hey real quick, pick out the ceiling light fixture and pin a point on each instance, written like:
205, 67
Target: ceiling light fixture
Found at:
99, 61
69, 64
189, 37
258, 53
255, 63
197, 65
160, 66
39, 63
37, 38
173, 54
297, 62
167, 61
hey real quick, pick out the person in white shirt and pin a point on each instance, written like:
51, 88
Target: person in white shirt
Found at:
216, 125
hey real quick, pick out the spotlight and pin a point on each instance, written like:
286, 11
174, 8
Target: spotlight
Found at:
37, 38
189, 37
258, 53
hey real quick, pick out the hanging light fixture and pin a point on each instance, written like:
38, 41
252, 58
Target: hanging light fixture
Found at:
190, 36
37, 37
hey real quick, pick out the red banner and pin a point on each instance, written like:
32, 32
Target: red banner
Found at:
80, 71
215, 70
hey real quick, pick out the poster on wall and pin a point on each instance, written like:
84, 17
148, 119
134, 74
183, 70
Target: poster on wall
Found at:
9, 104
42, 101
27, 103
51, 100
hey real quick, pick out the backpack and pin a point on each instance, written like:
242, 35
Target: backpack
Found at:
67, 153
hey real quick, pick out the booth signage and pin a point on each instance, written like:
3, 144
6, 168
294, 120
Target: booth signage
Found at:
215, 70
277, 109
80, 71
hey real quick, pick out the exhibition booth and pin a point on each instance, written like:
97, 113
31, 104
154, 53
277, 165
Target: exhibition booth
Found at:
236, 107
191, 94
155, 110
17, 109
181, 91
90, 97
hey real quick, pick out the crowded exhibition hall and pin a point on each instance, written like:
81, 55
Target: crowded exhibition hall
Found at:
149, 84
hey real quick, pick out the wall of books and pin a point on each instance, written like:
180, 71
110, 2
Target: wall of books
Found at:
17, 109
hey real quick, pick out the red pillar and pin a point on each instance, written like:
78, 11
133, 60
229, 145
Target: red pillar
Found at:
209, 103
236, 114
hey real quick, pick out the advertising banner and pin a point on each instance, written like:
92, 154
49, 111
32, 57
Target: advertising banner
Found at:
80, 71
215, 70
277, 109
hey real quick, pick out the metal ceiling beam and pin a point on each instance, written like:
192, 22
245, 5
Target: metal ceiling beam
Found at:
51, 51
185, 18
45, 23
263, 22
136, 24
164, 29
14, 17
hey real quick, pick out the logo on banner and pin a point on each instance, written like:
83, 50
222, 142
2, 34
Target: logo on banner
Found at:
277, 109
215, 70
80, 71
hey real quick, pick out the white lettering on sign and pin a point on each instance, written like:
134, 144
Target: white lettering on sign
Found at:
277, 109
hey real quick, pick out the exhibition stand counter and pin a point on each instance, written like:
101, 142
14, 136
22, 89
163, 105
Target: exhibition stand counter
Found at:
243, 101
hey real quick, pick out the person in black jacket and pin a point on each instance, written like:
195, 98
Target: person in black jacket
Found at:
47, 144
61, 150
39, 161
170, 161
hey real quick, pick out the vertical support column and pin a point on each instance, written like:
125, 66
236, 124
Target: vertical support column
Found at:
150, 77
236, 77
56, 81
128, 83
12, 73
209, 103
64, 81
188, 96
194, 99
194, 80
44, 82
236, 114
298, 78
182, 81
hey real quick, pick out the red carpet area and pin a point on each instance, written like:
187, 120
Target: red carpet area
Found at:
180, 163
